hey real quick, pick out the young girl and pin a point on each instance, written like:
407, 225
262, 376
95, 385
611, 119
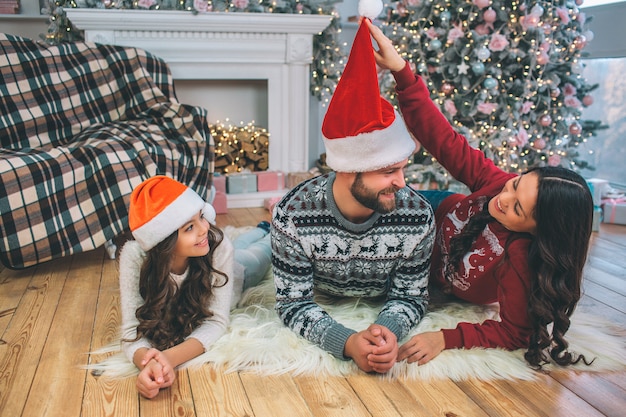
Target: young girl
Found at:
519, 240
178, 277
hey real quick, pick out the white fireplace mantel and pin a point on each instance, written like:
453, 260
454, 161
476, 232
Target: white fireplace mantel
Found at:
228, 46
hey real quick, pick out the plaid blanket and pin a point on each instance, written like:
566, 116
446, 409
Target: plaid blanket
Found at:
81, 125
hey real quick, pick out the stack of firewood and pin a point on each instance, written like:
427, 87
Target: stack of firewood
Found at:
240, 148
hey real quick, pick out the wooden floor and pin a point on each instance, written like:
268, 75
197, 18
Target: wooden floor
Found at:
51, 315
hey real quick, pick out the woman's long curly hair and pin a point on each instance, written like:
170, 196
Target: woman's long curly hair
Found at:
169, 314
556, 256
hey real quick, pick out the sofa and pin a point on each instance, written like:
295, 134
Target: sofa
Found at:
82, 124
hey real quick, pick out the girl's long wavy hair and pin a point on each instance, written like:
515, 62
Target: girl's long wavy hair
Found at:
556, 256
169, 314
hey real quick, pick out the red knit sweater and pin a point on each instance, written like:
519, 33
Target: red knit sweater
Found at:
487, 275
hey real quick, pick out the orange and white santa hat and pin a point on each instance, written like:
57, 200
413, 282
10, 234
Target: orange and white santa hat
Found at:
161, 205
361, 130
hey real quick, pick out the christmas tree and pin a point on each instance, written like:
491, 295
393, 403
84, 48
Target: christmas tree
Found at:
506, 74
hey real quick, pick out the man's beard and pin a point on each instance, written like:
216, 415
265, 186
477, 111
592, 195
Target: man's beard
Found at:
370, 199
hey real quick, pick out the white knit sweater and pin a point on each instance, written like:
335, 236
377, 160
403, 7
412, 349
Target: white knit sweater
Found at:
131, 259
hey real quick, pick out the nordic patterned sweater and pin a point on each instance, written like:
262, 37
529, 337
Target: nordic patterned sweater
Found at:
490, 273
314, 247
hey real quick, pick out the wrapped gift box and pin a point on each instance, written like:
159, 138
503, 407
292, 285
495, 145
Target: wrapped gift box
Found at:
270, 180
220, 203
219, 181
242, 182
269, 203
598, 187
295, 178
614, 210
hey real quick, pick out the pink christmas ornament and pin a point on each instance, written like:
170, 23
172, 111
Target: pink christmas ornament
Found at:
588, 100
481, 4
455, 33
486, 108
543, 58
482, 29
201, 5
450, 107
526, 107
569, 89
537, 10
554, 160
575, 128
580, 42
146, 3
573, 102
539, 144
545, 120
529, 21
498, 42
241, 4
563, 14
431, 33
521, 139
489, 15
447, 88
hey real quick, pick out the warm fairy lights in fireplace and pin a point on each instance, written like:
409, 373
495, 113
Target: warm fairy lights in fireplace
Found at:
240, 148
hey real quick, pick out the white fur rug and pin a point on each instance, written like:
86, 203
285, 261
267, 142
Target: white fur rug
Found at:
258, 341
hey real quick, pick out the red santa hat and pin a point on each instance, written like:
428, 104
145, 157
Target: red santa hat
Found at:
161, 205
362, 131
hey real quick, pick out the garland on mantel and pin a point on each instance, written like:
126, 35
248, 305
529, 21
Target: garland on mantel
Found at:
328, 54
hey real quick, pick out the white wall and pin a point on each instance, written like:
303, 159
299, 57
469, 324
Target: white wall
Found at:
609, 30
28, 26
606, 66
607, 151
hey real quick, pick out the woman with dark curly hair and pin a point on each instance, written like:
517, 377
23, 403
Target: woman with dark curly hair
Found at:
179, 278
518, 240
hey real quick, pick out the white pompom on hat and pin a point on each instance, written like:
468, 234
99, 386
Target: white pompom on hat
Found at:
361, 130
161, 205
370, 8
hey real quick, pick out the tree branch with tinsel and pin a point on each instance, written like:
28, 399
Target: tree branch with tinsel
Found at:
328, 55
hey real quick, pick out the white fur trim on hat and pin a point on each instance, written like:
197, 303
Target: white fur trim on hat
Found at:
170, 219
208, 212
372, 150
